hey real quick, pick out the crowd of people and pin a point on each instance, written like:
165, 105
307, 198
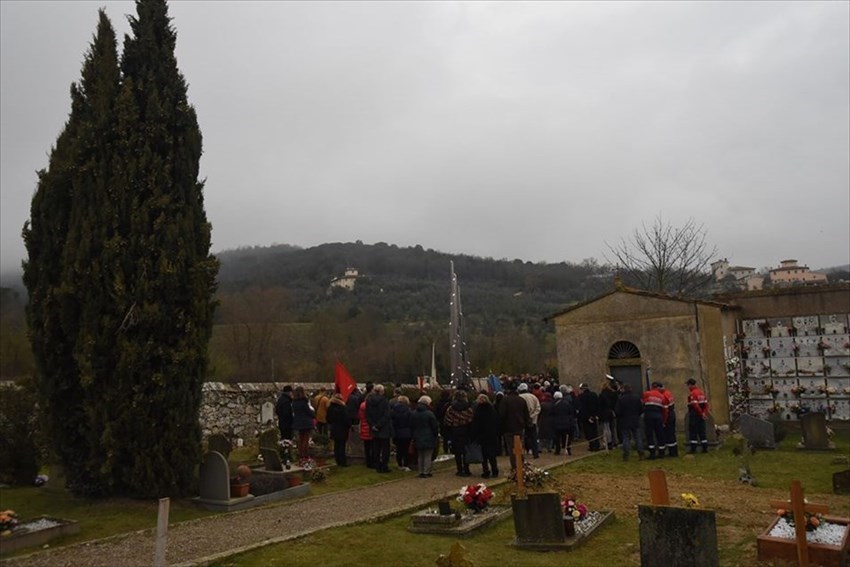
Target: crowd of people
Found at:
477, 427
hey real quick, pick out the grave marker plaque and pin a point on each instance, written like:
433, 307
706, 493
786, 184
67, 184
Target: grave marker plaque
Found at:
758, 432
814, 432
677, 536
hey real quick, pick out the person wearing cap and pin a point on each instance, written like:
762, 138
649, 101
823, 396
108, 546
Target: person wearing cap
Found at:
670, 424
654, 415
423, 425
531, 443
563, 422
697, 414
588, 414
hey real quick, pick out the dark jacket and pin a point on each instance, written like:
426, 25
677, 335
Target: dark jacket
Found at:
588, 406
545, 429
283, 407
564, 415
302, 415
629, 408
607, 404
513, 414
484, 429
353, 406
378, 416
401, 414
338, 420
459, 418
425, 428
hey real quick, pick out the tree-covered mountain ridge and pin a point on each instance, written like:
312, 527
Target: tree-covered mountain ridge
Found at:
412, 283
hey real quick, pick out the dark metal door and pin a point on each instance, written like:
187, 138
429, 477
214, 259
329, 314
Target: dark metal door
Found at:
630, 375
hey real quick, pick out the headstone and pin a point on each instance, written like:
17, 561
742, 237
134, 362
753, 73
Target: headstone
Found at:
271, 459
269, 438
267, 413
220, 444
355, 445
757, 432
214, 477
677, 536
814, 432
538, 518
841, 482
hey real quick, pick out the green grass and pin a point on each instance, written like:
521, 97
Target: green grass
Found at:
613, 546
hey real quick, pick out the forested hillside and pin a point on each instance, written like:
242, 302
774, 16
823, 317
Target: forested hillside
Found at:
279, 317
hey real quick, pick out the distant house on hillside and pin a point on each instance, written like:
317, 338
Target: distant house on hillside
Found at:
789, 273
741, 277
346, 281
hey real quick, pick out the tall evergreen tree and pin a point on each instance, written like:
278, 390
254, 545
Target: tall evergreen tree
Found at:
119, 270
57, 237
168, 271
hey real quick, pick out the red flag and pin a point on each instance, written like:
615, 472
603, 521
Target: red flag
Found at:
343, 381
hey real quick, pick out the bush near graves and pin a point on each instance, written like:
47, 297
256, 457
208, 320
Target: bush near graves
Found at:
20, 455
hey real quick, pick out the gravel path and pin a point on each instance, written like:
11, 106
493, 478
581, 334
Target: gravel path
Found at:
208, 539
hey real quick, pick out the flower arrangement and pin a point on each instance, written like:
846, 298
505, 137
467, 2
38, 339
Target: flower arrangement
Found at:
318, 475
307, 463
812, 520
691, 501
766, 350
8, 521
797, 390
476, 497
286, 446
533, 477
770, 389
823, 345
573, 510
773, 409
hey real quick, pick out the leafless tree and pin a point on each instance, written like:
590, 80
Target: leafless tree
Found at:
665, 258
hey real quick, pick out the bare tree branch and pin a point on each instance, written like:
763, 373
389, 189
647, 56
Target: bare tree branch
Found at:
664, 257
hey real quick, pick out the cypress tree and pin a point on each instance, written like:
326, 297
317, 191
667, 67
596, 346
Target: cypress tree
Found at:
57, 273
168, 271
119, 272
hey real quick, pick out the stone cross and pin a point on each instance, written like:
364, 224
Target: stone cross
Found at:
519, 454
798, 505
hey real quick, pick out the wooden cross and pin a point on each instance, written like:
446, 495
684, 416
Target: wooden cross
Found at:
799, 507
519, 454
658, 494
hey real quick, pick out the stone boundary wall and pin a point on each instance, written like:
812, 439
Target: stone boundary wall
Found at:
237, 409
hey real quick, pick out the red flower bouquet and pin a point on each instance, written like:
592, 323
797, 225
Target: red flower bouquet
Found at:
476, 497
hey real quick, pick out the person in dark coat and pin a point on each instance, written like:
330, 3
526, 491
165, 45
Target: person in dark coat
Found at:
545, 431
425, 430
608, 396
352, 406
401, 414
459, 418
514, 417
629, 409
283, 408
381, 425
484, 430
440, 413
588, 414
302, 420
563, 422
340, 425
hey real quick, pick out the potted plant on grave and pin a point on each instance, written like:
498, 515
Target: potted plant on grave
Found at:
573, 512
239, 485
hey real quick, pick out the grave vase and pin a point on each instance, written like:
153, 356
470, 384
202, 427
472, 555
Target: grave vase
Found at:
569, 527
239, 490
445, 507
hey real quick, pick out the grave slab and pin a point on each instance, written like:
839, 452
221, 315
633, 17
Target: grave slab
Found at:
677, 536
815, 437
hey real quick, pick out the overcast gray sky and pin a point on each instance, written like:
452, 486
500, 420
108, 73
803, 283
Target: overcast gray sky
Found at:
526, 130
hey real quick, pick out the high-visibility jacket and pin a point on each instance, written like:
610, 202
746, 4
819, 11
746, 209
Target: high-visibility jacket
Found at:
697, 402
654, 403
